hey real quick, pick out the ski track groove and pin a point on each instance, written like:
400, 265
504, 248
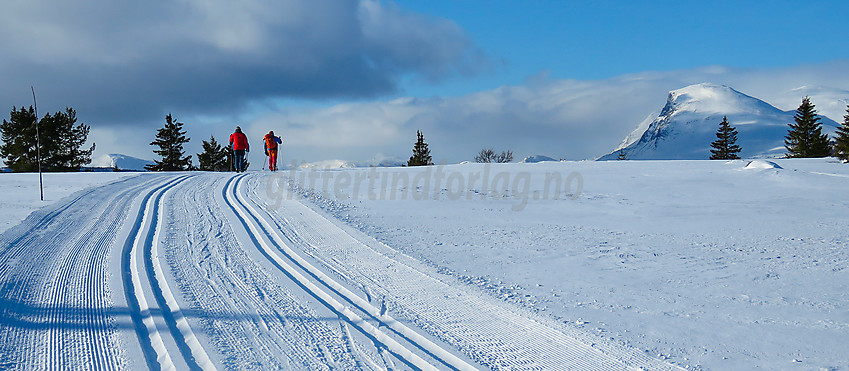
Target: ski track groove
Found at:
249, 309
229, 303
145, 240
189, 347
260, 226
488, 331
61, 341
153, 348
193, 353
54, 284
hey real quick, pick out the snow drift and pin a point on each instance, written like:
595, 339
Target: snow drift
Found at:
762, 165
121, 162
537, 158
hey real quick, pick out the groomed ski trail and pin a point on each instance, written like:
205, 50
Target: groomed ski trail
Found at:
57, 310
194, 271
254, 317
144, 245
490, 332
332, 294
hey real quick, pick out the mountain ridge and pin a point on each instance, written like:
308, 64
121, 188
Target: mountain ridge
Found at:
685, 127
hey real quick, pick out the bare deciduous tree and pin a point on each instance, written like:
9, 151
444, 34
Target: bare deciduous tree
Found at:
488, 155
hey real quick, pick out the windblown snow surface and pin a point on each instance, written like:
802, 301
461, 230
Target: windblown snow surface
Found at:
21, 194
707, 264
554, 265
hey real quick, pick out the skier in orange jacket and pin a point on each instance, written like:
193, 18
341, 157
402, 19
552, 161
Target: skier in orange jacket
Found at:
270, 143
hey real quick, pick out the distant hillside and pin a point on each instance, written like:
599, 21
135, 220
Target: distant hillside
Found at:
537, 158
342, 164
122, 162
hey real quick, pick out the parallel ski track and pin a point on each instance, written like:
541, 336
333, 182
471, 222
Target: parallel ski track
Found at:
253, 320
56, 310
194, 354
144, 239
488, 331
274, 248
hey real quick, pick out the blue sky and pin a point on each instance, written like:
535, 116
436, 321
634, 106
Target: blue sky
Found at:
355, 79
601, 39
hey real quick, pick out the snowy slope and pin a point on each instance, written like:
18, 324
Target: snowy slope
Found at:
22, 196
342, 164
122, 162
688, 122
552, 265
537, 158
637, 133
715, 265
198, 270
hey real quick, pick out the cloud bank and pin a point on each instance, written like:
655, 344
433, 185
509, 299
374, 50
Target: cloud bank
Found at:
131, 62
568, 119
215, 63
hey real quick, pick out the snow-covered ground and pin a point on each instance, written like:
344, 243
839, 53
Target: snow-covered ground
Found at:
21, 194
120, 161
550, 265
709, 264
201, 271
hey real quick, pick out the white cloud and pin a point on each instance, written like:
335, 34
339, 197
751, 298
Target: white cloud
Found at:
123, 66
559, 118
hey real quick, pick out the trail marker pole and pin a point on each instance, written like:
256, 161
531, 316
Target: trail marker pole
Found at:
37, 145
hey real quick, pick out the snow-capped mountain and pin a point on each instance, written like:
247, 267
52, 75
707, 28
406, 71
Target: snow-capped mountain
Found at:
121, 162
688, 122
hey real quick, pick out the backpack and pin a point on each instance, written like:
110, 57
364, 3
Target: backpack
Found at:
270, 142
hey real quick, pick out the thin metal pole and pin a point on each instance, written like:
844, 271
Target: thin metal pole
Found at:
38, 145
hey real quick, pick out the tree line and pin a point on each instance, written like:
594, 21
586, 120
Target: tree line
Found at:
170, 140
62, 142
421, 154
804, 139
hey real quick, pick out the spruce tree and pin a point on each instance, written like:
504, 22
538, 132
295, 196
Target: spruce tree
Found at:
214, 156
421, 154
170, 141
19, 144
725, 147
841, 146
227, 154
61, 140
805, 138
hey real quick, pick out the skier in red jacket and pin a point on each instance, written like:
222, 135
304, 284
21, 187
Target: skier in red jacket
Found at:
239, 145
